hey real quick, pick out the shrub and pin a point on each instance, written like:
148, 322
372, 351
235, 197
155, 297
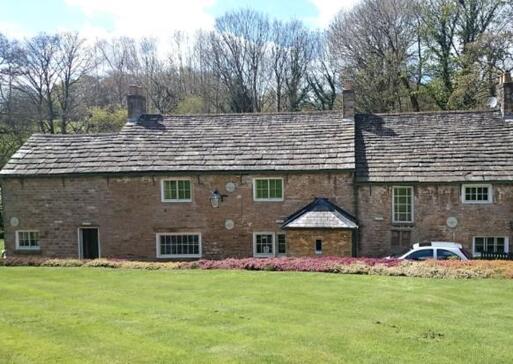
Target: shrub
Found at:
340, 265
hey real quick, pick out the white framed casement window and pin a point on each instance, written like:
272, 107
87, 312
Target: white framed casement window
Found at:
27, 240
176, 190
489, 244
477, 193
402, 204
178, 245
268, 189
269, 244
263, 244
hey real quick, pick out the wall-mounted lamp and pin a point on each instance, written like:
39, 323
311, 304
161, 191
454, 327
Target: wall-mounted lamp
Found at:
216, 198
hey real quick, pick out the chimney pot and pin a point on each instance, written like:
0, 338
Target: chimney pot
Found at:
347, 84
136, 103
506, 95
134, 90
506, 77
348, 99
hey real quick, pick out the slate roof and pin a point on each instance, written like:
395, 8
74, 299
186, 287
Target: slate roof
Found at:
434, 147
320, 214
306, 141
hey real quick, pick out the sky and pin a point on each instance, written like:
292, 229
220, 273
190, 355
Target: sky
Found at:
148, 18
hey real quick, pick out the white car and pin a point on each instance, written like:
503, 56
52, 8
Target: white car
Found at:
440, 250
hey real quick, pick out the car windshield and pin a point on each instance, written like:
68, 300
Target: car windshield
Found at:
423, 254
466, 253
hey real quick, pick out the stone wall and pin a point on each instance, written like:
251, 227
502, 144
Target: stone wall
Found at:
129, 211
335, 242
433, 204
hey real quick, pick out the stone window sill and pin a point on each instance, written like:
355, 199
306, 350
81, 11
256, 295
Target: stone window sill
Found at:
28, 251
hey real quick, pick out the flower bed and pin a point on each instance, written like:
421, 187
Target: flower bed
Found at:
316, 264
369, 266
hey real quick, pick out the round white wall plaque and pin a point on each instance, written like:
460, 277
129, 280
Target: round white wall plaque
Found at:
229, 224
14, 221
452, 222
230, 186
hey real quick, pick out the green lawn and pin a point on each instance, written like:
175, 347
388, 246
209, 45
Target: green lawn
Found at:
93, 315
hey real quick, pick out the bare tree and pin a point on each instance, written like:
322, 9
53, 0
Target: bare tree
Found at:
374, 41
239, 46
120, 65
291, 53
74, 62
323, 76
15, 119
40, 75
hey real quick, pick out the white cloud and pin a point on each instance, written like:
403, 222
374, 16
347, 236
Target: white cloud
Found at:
328, 9
144, 18
13, 30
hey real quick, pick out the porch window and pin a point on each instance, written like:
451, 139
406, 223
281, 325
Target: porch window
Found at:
27, 240
268, 189
263, 244
402, 204
473, 193
180, 245
176, 190
490, 244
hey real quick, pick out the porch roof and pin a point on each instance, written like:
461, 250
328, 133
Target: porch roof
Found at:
321, 214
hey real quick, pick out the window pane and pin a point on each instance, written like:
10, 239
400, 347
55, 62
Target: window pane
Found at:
184, 190
479, 194
318, 246
402, 204
479, 245
34, 239
275, 188
262, 188
490, 246
177, 190
282, 244
264, 244
170, 190
28, 239
179, 245
499, 248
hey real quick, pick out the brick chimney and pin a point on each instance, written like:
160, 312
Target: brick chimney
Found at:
506, 95
347, 99
136, 103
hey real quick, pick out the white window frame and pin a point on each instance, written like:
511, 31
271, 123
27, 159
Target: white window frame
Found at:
268, 199
159, 255
476, 185
35, 248
177, 200
477, 254
264, 255
412, 205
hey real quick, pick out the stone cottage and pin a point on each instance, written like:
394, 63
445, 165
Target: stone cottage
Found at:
270, 184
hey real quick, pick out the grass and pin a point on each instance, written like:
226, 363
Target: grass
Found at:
72, 315
1, 245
